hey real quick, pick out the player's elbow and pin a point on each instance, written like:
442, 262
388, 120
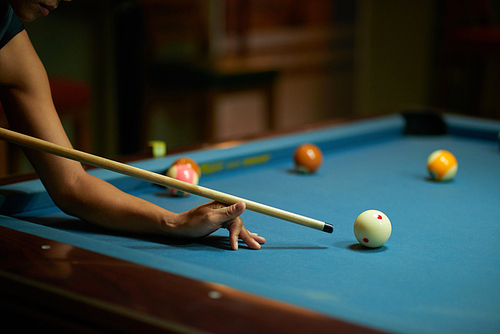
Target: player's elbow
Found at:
69, 197
67, 200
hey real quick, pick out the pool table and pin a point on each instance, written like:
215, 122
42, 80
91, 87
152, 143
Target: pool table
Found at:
438, 273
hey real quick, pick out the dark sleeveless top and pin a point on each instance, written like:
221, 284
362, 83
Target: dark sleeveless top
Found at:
10, 25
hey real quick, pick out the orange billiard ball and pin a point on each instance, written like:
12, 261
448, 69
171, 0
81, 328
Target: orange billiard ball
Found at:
308, 158
190, 162
442, 165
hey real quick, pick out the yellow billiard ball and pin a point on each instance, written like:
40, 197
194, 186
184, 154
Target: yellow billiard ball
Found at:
442, 165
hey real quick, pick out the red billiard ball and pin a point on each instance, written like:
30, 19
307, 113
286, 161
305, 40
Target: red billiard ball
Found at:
308, 158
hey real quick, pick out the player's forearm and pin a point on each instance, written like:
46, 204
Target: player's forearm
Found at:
100, 203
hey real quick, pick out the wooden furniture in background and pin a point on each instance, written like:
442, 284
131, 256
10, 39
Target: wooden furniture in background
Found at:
469, 50
180, 66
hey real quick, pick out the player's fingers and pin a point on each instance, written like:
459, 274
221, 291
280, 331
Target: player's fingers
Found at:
258, 238
252, 240
234, 227
237, 231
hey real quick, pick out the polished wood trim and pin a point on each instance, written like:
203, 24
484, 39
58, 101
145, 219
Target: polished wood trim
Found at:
62, 284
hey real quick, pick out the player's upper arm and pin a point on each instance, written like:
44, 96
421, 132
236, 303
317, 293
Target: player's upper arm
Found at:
24, 88
20, 68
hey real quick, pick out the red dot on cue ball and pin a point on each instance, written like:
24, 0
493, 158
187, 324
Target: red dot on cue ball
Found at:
308, 158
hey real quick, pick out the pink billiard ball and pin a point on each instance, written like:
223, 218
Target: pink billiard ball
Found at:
182, 172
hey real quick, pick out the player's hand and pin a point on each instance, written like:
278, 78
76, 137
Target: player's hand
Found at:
208, 218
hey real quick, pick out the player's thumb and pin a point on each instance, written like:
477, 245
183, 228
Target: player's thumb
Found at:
235, 210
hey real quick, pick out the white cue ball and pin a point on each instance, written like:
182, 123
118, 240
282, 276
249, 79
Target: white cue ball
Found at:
372, 228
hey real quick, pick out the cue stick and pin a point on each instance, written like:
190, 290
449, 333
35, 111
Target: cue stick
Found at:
163, 180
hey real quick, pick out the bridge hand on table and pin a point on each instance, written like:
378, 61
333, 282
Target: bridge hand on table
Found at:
208, 218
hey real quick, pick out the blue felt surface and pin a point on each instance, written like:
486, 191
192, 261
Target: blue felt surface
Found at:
438, 273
